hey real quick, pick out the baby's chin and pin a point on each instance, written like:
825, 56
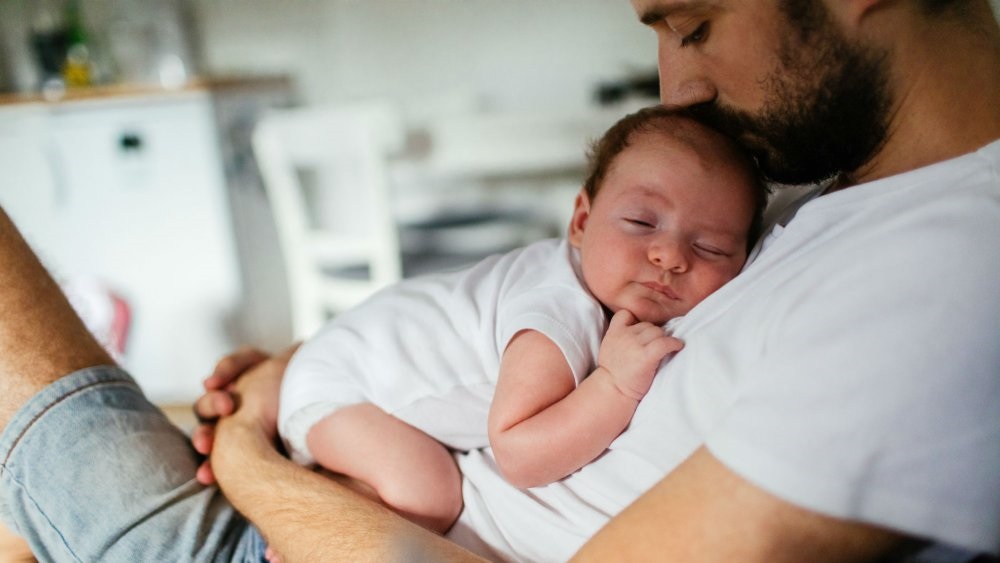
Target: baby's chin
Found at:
656, 314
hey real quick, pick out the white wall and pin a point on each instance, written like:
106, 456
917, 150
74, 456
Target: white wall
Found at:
516, 53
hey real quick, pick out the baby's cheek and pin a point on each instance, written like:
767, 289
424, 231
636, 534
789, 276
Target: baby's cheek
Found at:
714, 281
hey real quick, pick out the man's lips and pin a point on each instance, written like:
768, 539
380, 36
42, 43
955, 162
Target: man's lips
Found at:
662, 289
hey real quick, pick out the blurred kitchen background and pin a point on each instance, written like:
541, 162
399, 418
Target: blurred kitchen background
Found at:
128, 156
155, 152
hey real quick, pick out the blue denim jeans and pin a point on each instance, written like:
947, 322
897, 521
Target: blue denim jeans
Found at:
91, 471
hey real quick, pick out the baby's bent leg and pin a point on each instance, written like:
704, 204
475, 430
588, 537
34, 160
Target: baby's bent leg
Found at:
410, 471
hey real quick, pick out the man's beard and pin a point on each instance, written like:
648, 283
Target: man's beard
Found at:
826, 110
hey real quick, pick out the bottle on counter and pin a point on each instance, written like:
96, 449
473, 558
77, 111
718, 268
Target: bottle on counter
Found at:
77, 68
62, 46
50, 42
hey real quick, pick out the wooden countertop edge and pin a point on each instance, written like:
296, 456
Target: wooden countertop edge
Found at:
211, 84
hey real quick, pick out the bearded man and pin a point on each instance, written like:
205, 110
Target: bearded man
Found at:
836, 402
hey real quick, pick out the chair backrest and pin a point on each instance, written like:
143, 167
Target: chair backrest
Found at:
325, 173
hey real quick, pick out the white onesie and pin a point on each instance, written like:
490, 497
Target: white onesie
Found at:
427, 350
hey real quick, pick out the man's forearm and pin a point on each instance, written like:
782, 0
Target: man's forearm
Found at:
702, 511
308, 517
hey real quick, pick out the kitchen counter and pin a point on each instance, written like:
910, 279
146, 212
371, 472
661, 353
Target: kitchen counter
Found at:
117, 91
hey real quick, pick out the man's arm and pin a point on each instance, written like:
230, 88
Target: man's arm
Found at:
303, 515
699, 512
704, 512
41, 337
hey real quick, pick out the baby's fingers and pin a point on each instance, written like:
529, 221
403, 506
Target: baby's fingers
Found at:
664, 345
647, 332
621, 319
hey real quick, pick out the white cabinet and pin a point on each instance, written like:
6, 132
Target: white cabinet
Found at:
27, 186
131, 192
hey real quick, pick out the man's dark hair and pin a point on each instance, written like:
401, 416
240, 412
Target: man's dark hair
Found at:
939, 6
667, 121
808, 14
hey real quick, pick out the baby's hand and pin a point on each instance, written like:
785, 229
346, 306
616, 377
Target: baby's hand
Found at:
631, 352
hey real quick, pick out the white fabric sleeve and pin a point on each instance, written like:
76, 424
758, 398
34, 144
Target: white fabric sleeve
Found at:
570, 318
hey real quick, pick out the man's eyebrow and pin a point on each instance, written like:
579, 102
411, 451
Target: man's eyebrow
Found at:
650, 17
663, 10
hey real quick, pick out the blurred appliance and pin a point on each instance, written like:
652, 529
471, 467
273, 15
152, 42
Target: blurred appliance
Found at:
50, 36
132, 192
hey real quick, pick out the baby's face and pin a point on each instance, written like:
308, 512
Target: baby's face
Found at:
668, 227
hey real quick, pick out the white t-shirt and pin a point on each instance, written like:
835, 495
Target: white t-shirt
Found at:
428, 349
853, 369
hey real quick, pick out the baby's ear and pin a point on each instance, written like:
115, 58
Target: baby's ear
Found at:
577, 224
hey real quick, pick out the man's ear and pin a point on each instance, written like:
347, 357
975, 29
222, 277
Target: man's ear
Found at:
852, 12
577, 224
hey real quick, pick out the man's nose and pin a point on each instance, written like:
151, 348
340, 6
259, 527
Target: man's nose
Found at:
682, 81
669, 255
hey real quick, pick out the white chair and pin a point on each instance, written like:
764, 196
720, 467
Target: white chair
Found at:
325, 173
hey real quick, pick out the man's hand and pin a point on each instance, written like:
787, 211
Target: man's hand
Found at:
220, 400
631, 352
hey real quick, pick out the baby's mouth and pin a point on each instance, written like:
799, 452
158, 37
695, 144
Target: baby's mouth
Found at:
663, 290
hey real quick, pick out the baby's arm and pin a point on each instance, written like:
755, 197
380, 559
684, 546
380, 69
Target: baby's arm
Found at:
542, 428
